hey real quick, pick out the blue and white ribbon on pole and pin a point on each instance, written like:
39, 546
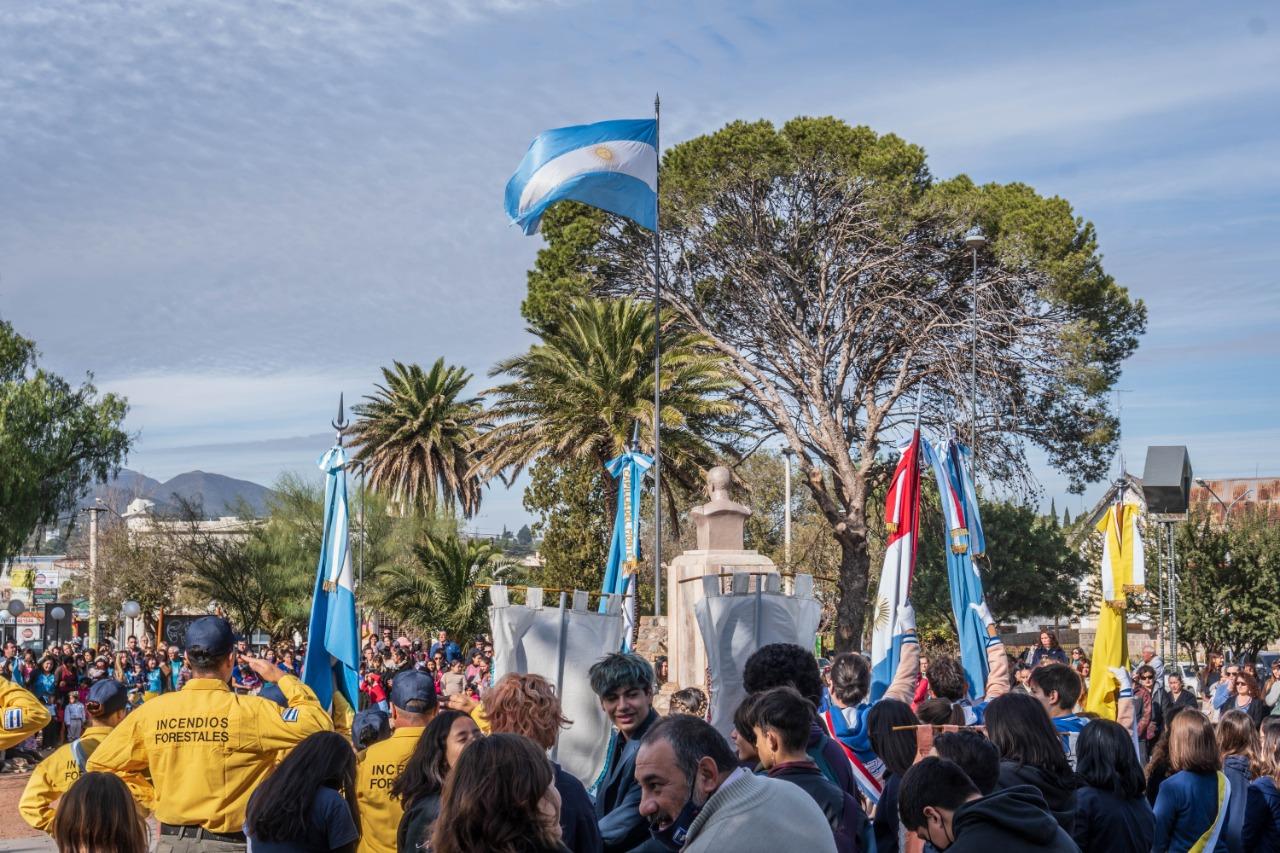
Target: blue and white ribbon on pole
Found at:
624, 549
612, 165
333, 634
961, 462
968, 601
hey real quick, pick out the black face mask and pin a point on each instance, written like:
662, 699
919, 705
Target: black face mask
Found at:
674, 835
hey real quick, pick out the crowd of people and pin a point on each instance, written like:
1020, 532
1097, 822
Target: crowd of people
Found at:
231, 751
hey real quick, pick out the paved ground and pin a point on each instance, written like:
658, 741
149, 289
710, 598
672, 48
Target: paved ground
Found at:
14, 832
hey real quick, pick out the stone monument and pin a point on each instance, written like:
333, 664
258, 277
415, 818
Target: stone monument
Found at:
718, 523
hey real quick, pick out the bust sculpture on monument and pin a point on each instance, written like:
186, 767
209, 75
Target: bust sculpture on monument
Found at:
719, 525
719, 522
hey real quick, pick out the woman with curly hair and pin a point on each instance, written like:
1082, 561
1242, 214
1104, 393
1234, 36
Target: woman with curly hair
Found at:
528, 705
500, 798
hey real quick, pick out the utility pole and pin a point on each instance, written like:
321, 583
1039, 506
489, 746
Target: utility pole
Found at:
93, 511
786, 517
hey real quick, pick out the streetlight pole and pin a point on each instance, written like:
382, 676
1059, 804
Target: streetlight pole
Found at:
1226, 507
787, 452
93, 511
974, 239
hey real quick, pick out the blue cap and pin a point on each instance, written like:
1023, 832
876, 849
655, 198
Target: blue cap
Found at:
413, 691
272, 691
370, 726
106, 697
210, 637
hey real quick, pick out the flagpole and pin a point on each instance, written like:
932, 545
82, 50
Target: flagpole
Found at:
657, 367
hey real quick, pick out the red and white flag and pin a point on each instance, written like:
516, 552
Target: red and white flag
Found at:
902, 522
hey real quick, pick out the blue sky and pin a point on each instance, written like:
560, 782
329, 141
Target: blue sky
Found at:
231, 211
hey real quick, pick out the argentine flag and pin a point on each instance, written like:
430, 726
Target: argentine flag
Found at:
333, 634
612, 165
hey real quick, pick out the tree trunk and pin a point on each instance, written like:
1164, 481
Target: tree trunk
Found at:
852, 602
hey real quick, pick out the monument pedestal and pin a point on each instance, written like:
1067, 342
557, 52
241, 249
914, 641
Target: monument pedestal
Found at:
686, 656
719, 525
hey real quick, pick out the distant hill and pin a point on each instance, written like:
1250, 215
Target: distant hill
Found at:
218, 495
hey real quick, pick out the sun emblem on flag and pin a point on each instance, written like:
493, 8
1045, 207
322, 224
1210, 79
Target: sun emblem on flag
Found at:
604, 152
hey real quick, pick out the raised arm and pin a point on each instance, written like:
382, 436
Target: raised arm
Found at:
903, 686
997, 660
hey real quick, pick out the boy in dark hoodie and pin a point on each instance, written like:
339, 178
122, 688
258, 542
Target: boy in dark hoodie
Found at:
940, 804
781, 719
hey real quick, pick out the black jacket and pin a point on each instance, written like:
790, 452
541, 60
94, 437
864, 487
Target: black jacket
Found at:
622, 828
1058, 793
415, 823
578, 827
1105, 821
848, 821
1013, 820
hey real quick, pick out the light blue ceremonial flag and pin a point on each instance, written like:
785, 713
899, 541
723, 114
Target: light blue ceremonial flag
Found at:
612, 165
968, 602
624, 549
333, 634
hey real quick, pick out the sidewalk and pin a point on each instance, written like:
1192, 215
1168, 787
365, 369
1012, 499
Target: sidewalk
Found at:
44, 843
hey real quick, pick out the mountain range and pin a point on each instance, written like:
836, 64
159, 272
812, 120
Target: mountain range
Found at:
218, 494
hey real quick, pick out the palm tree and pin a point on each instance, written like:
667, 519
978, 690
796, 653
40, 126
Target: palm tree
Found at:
579, 393
437, 590
417, 436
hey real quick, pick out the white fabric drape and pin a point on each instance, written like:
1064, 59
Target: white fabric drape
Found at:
734, 625
560, 643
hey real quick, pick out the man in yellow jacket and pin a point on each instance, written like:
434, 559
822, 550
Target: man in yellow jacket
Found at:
413, 704
206, 747
53, 776
21, 714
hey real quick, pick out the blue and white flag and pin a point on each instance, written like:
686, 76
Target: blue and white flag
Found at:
624, 550
333, 634
968, 601
612, 165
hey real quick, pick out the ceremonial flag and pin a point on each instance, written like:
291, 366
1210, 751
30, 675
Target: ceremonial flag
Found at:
624, 550
612, 165
968, 601
1122, 572
902, 522
333, 634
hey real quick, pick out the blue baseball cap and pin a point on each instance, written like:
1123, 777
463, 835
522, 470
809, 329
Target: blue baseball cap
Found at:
413, 691
272, 691
106, 697
370, 726
210, 637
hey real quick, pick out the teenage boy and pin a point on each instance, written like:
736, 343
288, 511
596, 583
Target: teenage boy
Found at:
624, 683
940, 804
782, 725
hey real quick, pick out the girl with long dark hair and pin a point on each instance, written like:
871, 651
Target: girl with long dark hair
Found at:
308, 803
1112, 812
97, 813
897, 750
500, 798
1031, 753
421, 782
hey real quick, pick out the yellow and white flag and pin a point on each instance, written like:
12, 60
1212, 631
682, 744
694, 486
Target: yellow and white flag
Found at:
1123, 573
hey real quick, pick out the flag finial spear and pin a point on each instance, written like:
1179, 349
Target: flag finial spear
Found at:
341, 423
